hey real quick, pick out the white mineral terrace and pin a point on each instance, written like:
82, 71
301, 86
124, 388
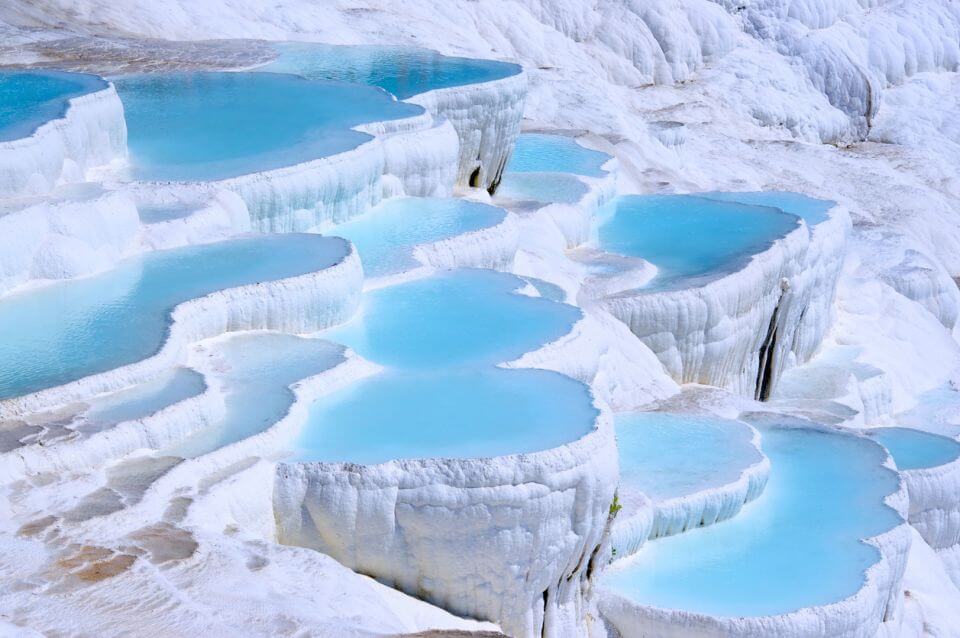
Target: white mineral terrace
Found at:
529, 318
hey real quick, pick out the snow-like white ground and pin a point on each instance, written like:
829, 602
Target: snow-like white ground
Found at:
851, 100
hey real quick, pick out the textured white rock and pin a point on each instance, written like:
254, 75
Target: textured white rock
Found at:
298, 304
935, 510
492, 247
656, 518
77, 231
218, 216
487, 119
91, 134
513, 539
713, 334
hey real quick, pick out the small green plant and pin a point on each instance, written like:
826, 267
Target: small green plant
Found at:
615, 506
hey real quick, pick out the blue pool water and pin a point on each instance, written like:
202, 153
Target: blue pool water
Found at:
542, 153
914, 449
72, 329
207, 126
455, 318
142, 400
385, 237
546, 188
258, 370
670, 455
402, 71
30, 98
689, 237
471, 413
813, 211
797, 545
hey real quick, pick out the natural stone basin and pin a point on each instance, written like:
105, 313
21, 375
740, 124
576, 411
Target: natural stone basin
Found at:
29, 99
65, 331
695, 469
916, 450
402, 71
799, 545
448, 414
545, 153
459, 318
545, 188
255, 371
387, 235
811, 210
689, 239
213, 126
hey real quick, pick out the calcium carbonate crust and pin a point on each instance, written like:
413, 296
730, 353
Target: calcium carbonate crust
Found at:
935, 510
487, 117
515, 539
92, 133
305, 303
699, 509
780, 302
493, 247
877, 606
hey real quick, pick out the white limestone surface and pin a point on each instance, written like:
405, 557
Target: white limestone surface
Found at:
91, 134
77, 231
486, 116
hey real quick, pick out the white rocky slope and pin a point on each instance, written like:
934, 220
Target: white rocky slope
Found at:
851, 100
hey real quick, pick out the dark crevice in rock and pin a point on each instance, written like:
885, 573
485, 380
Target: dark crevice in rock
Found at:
768, 351
475, 178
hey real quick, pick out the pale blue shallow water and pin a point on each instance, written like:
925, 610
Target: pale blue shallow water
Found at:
207, 126
456, 318
259, 369
385, 236
469, 413
689, 238
797, 545
546, 188
30, 98
68, 330
542, 153
670, 455
402, 71
813, 211
913, 449
142, 400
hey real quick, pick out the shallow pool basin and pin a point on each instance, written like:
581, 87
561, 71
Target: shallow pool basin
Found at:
68, 330
200, 126
28, 99
402, 71
386, 236
798, 545
689, 239
915, 449
546, 153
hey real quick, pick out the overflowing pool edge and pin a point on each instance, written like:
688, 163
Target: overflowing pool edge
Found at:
91, 133
879, 600
699, 509
286, 304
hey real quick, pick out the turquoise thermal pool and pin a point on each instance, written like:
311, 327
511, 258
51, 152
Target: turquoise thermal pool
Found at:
28, 99
386, 236
689, 238
402, 71
542, 153
914, 449
143, 400
465, 413
210, 126
798, 545
68, 330
258, 369
811, 210
453, 319
667, 455
545, 188
441, 394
